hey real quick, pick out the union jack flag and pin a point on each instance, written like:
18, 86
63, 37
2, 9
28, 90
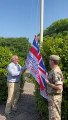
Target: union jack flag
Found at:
35, 65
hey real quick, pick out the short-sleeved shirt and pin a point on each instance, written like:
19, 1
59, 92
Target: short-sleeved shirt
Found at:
55, 77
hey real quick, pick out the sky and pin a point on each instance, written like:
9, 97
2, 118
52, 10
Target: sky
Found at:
21, 18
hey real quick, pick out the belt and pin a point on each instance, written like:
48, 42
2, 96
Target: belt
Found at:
13, 82
54, 93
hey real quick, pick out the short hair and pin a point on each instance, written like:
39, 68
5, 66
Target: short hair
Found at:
14, 57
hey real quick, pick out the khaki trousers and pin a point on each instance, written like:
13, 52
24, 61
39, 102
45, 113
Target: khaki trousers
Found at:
13, 96
54, 106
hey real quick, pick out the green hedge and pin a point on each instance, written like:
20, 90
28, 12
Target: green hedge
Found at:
5, 55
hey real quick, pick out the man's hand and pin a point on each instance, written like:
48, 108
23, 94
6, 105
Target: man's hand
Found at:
23, 71
47, 81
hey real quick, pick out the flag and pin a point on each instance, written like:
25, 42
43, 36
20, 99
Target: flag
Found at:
35, 65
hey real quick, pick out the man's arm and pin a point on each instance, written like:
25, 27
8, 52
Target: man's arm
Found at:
23, 69
55, 86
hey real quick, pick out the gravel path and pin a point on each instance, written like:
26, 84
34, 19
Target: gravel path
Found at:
26, 106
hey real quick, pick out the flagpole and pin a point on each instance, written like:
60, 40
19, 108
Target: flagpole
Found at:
41, 20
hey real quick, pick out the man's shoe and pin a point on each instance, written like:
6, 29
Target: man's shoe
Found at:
14, 108
7, 115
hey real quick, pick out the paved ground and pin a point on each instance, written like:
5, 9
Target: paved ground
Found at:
26, 106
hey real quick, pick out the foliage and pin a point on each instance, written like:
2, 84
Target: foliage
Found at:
65, 102
28, 77
41, 103
59, 47
19, 46
5, 55
58, 27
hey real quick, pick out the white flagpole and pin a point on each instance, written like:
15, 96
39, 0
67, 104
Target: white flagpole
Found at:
41, 20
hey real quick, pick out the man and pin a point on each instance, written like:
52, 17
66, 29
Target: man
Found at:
54, 88
13, 83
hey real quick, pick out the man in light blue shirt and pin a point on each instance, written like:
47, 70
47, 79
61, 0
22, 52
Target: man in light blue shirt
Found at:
14, 72
13, 83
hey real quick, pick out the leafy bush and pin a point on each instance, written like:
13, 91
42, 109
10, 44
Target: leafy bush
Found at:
42, 104
19, 46
59, 47
5, 56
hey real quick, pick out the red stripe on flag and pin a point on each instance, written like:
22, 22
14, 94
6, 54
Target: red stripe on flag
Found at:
40, 83
35, 53
39, 56
42, 71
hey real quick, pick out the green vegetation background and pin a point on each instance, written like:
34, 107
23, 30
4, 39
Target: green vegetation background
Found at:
55, 42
